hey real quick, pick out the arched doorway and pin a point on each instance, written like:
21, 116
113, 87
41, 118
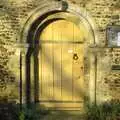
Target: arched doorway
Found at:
55, 60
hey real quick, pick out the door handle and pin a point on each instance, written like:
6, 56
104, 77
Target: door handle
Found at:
75, 56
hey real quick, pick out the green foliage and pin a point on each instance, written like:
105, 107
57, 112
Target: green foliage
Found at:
32, 112
106, 111
21, 116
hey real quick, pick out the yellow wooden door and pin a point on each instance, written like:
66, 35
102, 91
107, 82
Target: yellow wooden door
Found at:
61, 65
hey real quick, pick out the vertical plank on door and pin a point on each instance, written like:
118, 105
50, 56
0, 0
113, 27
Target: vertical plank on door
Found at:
46, 72
66, 72
57, 72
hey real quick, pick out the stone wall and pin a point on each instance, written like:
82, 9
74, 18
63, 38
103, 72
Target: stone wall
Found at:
13, 15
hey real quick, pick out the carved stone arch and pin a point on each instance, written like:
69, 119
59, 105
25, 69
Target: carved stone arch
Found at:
42, 13
37, 21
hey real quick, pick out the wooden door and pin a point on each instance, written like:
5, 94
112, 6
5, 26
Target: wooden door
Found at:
61, 65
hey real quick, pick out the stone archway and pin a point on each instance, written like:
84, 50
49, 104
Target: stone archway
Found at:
36, 24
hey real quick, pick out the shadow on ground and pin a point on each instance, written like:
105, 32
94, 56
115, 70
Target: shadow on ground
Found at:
12, 111
105, 111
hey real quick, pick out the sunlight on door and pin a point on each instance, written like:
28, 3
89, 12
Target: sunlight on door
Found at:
61, 65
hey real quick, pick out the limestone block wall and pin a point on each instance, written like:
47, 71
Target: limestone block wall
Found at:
13, 15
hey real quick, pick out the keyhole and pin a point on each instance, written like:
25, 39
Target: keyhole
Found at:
75, 56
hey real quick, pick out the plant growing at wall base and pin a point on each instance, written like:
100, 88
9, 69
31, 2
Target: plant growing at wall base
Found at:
105, 111
33, 113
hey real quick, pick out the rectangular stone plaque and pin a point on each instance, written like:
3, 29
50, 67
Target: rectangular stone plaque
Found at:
113, 36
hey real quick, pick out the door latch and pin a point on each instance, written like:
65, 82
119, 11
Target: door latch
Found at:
75, 56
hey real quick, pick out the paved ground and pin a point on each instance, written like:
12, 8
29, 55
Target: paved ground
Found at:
64, 115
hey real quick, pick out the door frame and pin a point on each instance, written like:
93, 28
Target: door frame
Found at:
46, 13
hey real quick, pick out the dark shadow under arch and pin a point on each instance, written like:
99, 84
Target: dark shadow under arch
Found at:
34, 50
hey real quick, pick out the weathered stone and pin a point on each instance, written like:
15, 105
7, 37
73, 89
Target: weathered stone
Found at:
15, 13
